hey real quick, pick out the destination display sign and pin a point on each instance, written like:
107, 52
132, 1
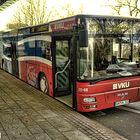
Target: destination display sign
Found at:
66, 24
40, 28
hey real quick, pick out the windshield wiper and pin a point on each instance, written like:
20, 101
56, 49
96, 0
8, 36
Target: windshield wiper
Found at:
102, 79
112, 77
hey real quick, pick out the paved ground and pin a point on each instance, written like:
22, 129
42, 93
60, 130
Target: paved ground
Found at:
27, 114
135, 105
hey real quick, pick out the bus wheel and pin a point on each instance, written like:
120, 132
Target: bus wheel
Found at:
2, 65
43, 84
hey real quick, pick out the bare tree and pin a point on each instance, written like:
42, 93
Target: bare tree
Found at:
31, 12
131, 5
34, 12
68, 10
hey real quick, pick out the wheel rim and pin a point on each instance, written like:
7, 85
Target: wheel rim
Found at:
44, 84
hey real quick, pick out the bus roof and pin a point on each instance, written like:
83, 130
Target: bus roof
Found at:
67, 23
110, 16
99, 17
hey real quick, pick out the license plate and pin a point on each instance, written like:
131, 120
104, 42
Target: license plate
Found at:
121, 102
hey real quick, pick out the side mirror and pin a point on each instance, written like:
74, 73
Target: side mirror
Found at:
83, 38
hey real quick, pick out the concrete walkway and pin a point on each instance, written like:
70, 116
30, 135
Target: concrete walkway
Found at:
28, 114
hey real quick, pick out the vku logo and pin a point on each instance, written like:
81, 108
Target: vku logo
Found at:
121, 85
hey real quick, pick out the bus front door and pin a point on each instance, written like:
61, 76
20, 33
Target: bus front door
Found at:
62, 72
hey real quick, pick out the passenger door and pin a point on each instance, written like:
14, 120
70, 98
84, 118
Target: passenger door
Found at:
62, 72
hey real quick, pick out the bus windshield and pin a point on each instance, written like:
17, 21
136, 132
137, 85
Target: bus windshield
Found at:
113, 50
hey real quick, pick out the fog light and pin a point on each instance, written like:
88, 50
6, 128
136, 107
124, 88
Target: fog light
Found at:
89, 100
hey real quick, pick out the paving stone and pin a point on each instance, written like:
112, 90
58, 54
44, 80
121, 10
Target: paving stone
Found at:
76, 135
20, 102
42, 136
47, 113
1, 127
6, 90
38, 118
27, 120
10, 120
30, 111
14, 96
30, 99
37, 106
45, 125
19, 112
2, 133
4, 106
8, 127
60, 124
14, 106
35, 129
6, 111
24, 106
17, 132
60, 138
2, 103
4, 137
55, 134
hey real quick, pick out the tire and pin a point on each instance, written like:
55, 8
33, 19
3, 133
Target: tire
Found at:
43, 84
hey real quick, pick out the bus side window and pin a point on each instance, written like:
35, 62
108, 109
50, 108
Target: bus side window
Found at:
7, 52
46, 50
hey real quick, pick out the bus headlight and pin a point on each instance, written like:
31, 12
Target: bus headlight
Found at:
89, 100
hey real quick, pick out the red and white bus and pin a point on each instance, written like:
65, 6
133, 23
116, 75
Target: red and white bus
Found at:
88, 62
